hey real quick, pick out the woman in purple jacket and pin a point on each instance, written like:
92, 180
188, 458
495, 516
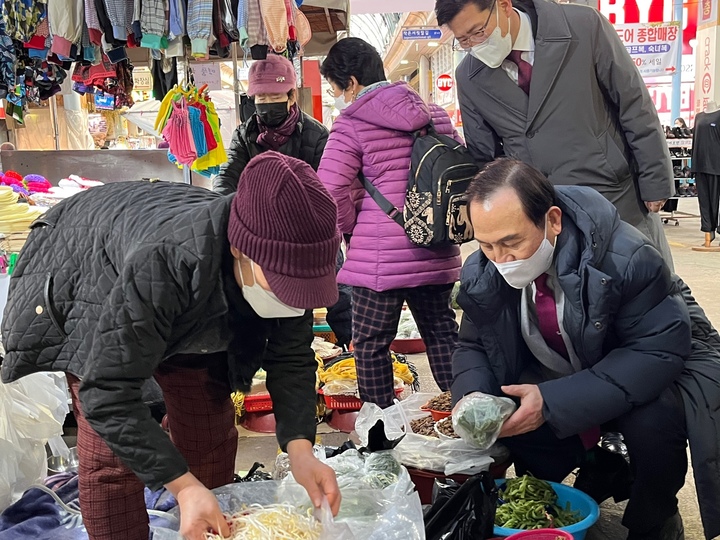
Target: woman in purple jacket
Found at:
373, 134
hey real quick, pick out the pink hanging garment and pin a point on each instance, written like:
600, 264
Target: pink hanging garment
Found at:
178, 134
302, 26
276, 23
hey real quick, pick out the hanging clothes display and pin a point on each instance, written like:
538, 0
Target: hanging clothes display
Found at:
191, 126
41, 39
106, 78
164, 75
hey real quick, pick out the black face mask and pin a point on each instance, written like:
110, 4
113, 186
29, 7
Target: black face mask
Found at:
272, 114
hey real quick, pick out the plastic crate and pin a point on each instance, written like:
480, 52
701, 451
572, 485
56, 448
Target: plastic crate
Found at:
346, 403
258, 402
324, 331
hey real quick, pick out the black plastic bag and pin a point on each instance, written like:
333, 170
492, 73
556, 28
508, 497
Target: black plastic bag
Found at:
462, 511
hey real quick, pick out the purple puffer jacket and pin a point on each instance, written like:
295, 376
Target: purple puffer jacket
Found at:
374, 134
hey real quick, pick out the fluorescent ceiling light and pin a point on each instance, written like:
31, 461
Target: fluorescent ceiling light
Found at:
433, 44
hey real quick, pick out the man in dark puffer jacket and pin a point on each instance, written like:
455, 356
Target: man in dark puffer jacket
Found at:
573, 314
137, 279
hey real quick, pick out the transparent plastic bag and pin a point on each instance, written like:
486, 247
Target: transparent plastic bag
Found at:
383, 519
32, 411
449, 457
407, 327
396, 418
478, 418
341, 387
379, 471
420, 451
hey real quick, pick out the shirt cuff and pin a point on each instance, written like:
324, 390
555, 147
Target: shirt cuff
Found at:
200, 47
120, 33
61, 46
154, 41
117, 55
95, 36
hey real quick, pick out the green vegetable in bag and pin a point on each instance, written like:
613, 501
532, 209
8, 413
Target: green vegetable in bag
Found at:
478, 418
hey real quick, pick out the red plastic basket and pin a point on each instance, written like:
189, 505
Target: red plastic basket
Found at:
346, 403
258, 402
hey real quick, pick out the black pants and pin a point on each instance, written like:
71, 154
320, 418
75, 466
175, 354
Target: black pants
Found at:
656, 437
708, 187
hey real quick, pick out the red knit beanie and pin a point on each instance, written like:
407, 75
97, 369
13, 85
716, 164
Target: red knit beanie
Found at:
283, 218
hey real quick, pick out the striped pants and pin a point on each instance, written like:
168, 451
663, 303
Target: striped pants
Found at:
375, 321
201, 420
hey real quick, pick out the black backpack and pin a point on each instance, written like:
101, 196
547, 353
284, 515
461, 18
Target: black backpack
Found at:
436, 211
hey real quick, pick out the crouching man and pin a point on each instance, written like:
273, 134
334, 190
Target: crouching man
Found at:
573, 313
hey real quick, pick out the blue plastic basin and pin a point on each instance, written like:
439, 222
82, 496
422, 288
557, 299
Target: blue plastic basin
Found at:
579, 502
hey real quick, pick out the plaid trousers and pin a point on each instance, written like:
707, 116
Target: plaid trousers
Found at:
375, 321
201, 418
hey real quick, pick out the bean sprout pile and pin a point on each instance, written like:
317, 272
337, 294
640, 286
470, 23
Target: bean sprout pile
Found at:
277, 521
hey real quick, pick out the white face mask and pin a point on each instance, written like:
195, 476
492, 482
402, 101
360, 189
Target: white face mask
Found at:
520, 274
496, 48
263, 302
340, 102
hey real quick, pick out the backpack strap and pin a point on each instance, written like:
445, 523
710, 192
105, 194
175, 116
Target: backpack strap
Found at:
425, 131
386, 206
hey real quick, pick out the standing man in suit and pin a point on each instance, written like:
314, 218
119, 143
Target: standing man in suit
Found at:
552, 85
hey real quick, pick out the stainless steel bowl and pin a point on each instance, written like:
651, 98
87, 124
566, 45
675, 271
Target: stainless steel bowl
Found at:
58, 464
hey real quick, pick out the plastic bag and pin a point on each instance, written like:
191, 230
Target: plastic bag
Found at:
419, 451
377, 472
462, 512
341, 387
478, 418
407, 327
32, 411
397, 519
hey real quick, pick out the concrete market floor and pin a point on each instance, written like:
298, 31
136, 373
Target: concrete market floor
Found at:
699, 270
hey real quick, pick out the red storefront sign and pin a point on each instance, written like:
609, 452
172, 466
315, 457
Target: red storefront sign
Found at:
644, 11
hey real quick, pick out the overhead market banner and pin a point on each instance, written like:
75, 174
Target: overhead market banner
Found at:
651, 11
652, 46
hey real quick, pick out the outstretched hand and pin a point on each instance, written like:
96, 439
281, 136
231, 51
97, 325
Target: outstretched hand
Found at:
529, 415
317, 478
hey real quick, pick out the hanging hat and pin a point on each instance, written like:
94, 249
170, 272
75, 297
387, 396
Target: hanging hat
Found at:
284, 220
274, 75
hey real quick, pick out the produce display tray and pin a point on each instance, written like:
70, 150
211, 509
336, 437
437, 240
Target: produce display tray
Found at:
346, 403
258, 402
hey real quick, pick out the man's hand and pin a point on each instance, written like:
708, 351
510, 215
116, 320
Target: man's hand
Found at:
655, 206
529, 416
317, 478
199, 509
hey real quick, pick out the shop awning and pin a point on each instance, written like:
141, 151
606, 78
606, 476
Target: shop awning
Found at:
326, 18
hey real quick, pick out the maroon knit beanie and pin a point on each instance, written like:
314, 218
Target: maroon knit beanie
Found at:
274, 75
283, 218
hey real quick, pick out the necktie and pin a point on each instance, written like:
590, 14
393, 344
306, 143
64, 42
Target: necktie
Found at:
547, 317
524, 70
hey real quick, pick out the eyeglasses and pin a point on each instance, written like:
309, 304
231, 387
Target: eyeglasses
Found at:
330, 92
477, 37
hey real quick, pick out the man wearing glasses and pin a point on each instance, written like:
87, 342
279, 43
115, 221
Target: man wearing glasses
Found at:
552, 85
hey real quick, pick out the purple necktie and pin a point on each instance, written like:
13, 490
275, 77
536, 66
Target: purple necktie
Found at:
524, 70
547, 317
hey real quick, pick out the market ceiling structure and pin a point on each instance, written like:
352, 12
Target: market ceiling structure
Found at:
326, 18
359, 7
